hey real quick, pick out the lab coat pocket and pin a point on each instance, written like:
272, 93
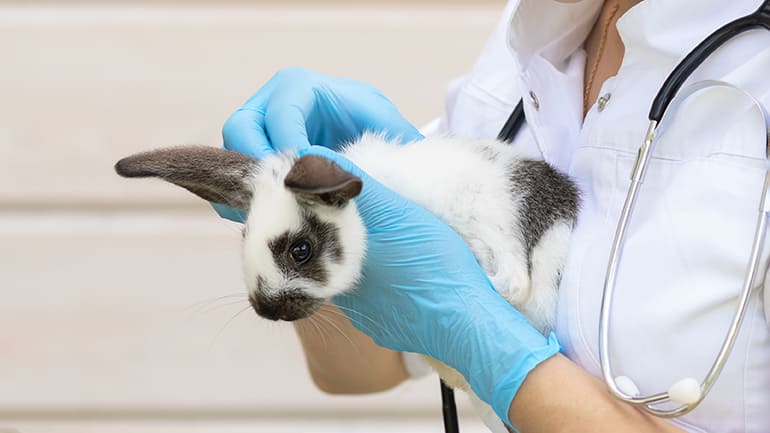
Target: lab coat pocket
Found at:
713, 146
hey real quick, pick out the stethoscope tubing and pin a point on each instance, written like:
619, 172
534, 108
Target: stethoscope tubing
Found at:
637, 178
701, 52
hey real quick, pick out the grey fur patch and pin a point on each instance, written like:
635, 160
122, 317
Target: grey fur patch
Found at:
546, 197
217, 175
324, 243
319, 180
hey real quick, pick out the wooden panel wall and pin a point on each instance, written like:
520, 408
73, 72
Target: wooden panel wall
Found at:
107, 317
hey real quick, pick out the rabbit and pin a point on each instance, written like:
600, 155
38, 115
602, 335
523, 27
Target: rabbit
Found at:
304, 241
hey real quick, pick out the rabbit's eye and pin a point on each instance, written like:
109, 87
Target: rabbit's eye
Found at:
300, 251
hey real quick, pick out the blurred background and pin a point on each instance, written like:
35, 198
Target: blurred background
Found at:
112, 315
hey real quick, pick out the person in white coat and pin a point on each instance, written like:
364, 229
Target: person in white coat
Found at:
587, 72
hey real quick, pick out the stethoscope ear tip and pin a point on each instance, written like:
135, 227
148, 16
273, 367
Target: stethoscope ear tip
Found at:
685, 391
627, 386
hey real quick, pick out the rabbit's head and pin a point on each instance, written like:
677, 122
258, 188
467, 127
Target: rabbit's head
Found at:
303, 240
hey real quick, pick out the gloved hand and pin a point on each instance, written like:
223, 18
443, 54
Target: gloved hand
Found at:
300, 107
423, 291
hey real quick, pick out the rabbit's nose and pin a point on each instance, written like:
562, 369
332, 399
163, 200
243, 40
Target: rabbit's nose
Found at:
267, 308
257, 308
289, 306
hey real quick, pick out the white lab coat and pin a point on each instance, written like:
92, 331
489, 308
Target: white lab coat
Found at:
689, 240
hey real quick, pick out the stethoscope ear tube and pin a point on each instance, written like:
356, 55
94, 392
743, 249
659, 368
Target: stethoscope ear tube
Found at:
693, 394
675, 80
513, 125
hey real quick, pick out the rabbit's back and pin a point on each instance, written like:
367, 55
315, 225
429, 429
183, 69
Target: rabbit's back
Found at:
515, 213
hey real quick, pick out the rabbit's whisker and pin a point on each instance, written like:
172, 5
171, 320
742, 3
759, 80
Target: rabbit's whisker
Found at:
234, 316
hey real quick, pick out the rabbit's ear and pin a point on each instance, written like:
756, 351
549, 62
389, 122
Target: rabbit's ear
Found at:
319, 180
216, 175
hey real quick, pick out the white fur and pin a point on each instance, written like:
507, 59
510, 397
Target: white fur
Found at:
471, 193
353, 239
275, 210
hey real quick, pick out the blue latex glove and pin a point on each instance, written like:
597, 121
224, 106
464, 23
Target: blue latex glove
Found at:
423, 291
299, 107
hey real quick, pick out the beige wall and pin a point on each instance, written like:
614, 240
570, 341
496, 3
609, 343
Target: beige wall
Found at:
262, 2
107, 317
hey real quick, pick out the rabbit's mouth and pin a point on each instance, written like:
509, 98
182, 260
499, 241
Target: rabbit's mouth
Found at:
288, 305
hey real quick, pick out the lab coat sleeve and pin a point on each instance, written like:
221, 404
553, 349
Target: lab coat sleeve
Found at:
415, 365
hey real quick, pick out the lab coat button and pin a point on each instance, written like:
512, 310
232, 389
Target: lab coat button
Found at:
533, 100
603, 101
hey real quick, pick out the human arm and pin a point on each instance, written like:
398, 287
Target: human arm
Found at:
343, 360
559, 396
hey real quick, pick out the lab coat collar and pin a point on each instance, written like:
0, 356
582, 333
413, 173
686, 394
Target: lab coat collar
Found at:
550, 28
545, 38
653, 29
555, 29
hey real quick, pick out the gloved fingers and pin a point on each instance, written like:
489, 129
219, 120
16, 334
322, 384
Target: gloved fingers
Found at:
286, 117
392, 123
402, 131
258, 101
244, 132
343, 163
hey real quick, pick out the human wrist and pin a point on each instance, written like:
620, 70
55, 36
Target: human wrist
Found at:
502, 349
508, 387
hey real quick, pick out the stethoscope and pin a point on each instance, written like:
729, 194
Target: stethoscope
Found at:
686, 393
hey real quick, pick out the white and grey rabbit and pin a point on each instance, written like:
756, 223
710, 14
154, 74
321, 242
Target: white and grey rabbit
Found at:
304, 241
